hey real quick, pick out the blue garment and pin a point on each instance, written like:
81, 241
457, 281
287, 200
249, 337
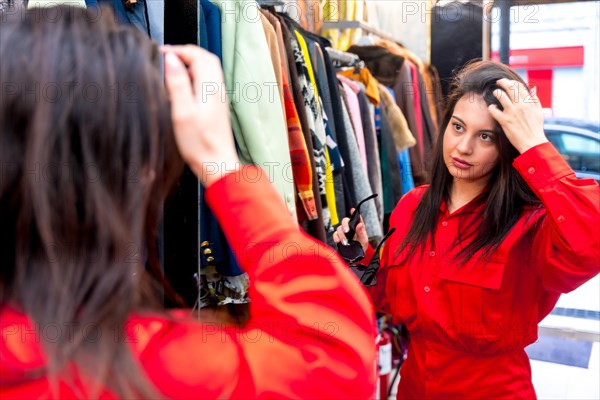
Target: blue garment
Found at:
135, 14
212, 237
408, 182
378, 120
118, 8
138, 16
214, 248
212, 17
156, 15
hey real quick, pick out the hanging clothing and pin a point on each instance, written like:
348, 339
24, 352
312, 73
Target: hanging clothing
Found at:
343, 10
364, 76
372, 151
403, 137
202, 31
430, 130
310, 13
382, 64
137, 13
314, 117
118, 8
428, 85
339, 127
392, 70
330, 217
301, 165
333, 181
437, 96
416, 97
426, 132
406, 101
313, 227
271, 37
217, 289
322, 67
156, 18
311, 329
222, 280
351, 89
361, 182
258, 123
212, 27
469, 324
390, 169
408, 183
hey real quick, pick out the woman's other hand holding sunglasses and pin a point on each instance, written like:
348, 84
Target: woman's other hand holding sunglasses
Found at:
360, 235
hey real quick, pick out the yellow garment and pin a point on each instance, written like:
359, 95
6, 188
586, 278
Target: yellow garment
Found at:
348, 12
329, 189
331, 12
308, 61
341, 10
364, 76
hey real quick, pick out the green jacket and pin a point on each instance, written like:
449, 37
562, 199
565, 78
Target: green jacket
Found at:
256, 107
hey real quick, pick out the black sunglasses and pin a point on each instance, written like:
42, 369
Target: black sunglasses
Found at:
367, 273
353, 251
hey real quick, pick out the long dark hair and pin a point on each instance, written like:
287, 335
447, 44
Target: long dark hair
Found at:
87, 154
506, 194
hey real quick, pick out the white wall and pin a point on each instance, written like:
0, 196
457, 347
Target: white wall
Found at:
568, 87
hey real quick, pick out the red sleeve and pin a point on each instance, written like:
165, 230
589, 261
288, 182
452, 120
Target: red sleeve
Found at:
567, 243
311, 332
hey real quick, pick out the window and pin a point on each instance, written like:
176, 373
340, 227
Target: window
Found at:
581, 152
580, 144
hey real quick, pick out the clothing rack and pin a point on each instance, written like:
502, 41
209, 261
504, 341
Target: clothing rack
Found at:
342, 56
341, 25
342, 59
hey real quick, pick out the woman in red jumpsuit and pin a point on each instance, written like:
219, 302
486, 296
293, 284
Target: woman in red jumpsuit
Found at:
85, 135
482, 254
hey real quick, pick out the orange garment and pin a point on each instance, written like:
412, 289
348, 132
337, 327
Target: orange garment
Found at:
310, 335
311, 15
301, 167
469, 324
364, 76
273, 45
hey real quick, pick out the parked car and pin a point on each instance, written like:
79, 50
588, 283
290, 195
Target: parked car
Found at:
578, 142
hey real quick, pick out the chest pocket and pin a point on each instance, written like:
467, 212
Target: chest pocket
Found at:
488, 276
475, 300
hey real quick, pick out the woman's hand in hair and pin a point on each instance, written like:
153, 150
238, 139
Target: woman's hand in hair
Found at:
200, 112
360, 234
522, 119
